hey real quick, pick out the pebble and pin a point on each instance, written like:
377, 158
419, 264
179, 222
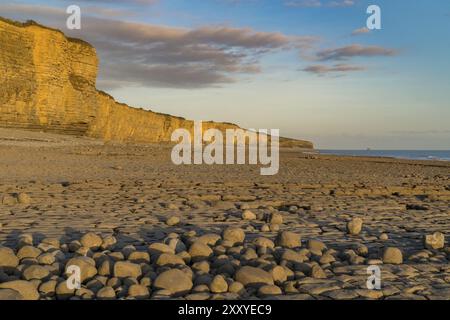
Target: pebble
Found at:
199, 251
8, 260
91, 240
123, 269
218, 285
138, 291
248, 215
35, 272
275, 218
172, 221
169, 259
392, 256
23, 198
9, 295
288, 239
106, 293
251, 276
269, 290
384, 237
354, 226
28, 252
434, 241
175, 281
25, 288
86, 265
234, 235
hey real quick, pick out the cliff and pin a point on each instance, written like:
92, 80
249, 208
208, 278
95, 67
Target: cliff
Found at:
48, 82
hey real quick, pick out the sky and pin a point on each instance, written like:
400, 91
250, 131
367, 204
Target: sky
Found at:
310, 68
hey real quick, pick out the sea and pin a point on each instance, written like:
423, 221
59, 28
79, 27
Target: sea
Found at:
436, 155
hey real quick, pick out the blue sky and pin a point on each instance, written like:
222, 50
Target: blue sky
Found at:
288, 64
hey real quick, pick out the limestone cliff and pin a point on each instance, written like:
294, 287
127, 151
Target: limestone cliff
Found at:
48, 82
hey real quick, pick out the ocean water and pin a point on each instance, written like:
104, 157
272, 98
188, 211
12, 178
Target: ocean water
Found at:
440, 155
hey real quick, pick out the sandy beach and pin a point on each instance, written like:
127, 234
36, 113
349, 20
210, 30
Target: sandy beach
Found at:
55, 189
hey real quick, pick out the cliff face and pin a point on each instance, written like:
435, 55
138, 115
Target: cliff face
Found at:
47, 82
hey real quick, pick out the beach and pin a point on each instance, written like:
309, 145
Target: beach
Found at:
135, 195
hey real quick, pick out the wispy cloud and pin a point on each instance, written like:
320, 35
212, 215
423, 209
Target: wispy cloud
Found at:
320, 69
360, 31
319, 3
354, 50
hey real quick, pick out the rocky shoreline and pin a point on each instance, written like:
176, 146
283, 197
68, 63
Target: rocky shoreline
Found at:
140, 227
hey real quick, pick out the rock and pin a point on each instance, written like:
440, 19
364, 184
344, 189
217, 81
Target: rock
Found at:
434, 241
108, 243
316, 247
288, 239
157, 248
265, 228
138, 291
327, 258
318, 273
35, 272
293, 256
139, 257
26, 289
392, 256
91, 240
46, 258
279, 274
234, 235
236, 287
25, 239
362, 250
123, 269
269, 290
274, 227
202, 266
48, 288
275, 218
23, 198
28, 252
63, 292
105, 268
106, 293
8, 260
176, 244
384, 237
169, 260
10, 294
199, 251
251, 276
248, 215
8, 200
218, 285
86, 265
354, 226
175, 281
172, 221
264, 242
209, 239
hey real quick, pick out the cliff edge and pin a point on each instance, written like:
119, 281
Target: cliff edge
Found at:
48, 82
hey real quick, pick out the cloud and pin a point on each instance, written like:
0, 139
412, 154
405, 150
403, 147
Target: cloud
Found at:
363, 30
337, 68
354, 50
142, 54
319, 3
139, 2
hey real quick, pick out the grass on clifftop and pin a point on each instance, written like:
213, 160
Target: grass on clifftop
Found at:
29, 23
